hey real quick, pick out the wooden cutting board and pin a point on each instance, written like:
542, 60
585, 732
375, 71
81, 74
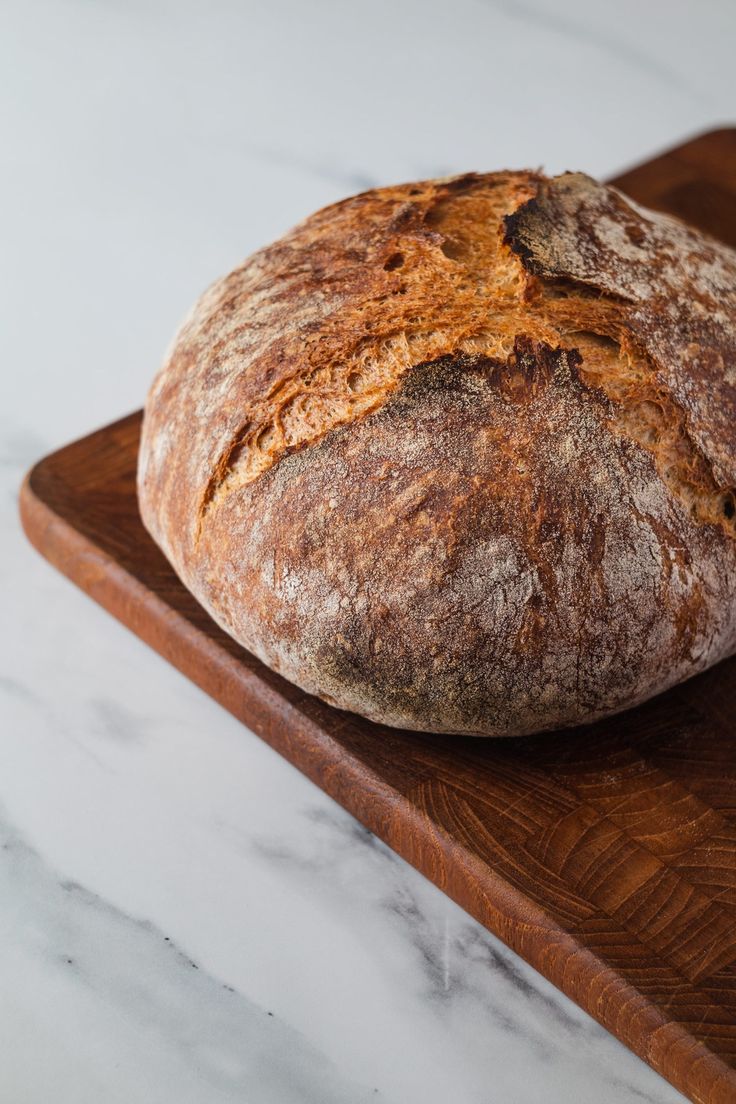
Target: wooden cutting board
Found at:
605, 856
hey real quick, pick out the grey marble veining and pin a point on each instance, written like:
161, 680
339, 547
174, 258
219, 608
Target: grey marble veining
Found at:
190, 1035
582, 26
183, 916
348, 178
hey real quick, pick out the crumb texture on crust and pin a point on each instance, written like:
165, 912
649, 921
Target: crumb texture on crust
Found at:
677, 287
469, 316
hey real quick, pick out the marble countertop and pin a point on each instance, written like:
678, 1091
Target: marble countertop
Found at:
184, 917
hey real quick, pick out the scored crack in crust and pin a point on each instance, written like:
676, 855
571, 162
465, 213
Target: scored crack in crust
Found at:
449, 284
426, 284
554, 296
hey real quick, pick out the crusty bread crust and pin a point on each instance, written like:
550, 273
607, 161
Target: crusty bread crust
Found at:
460, 455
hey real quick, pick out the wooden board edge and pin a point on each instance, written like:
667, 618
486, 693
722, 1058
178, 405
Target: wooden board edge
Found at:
679, 152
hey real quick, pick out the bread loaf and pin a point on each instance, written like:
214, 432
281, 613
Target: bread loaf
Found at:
460, 455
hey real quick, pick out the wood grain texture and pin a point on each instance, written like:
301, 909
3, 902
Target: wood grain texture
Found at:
606, 856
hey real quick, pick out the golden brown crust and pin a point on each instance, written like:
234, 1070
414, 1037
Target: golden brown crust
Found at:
456, 483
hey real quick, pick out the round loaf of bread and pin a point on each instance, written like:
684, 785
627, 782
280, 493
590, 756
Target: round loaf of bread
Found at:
460, 455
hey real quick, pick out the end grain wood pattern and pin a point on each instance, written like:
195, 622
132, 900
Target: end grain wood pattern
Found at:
606, 856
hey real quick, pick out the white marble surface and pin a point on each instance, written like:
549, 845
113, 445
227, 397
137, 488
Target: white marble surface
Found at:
183, 917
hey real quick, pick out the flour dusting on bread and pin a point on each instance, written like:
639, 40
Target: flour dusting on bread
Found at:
460, 455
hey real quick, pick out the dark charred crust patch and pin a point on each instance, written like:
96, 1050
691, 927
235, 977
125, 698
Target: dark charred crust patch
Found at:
406, 217
555, 234
463, 183
516, 235
534, 358
531, 366
446, 373
396, 260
